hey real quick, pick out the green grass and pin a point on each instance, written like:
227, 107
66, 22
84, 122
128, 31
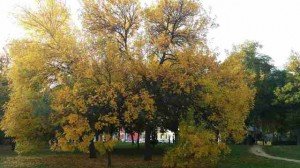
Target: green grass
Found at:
124, 156
128, 156
240, 157
291, 152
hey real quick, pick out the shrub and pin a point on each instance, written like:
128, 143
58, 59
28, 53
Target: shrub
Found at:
197, 148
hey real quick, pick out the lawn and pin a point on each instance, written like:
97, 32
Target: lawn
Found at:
291, 151
241, 158
126, 156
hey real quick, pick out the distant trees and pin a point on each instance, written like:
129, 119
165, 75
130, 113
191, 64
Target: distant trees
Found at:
129, 67
288, 95
275, 109
4, 88
265, 114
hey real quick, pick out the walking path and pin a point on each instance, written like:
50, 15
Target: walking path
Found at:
257, 150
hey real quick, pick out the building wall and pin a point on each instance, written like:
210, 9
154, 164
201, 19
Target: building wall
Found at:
162, 137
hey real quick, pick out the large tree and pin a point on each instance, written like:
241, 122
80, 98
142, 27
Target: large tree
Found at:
39, 62
175, 30
129, 66
116, 22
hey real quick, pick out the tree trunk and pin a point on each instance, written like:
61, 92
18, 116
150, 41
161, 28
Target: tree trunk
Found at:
298, 136
138, 141
108, 159
132, 138
176, 136
154, 138
219, 139
13, 144
97, 134
148, 149
92, 150
119, 135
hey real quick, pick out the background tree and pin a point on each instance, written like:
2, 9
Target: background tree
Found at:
288, 95
266, 78
220, 109
4, 89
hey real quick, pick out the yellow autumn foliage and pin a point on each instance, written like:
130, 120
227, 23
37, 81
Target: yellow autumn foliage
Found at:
197, 148
131, 67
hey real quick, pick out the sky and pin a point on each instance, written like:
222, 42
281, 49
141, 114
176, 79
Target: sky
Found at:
273, 23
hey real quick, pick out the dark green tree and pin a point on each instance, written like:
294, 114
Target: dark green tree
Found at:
289, 95
4, 90
266, 78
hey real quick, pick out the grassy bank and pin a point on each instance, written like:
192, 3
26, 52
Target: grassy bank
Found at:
241, 158
291, 151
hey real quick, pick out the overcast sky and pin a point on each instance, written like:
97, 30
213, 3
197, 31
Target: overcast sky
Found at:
273, 23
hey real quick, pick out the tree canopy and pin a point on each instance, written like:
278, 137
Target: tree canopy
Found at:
132, 67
